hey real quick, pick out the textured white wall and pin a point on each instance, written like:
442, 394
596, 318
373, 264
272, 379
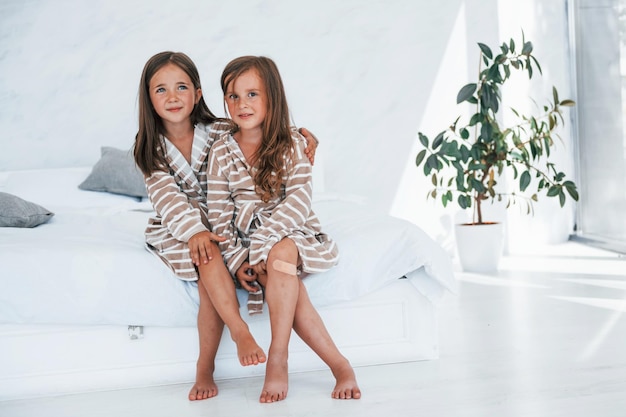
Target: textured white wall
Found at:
365, 76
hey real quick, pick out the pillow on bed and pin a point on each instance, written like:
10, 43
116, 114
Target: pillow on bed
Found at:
115, 172
16, 212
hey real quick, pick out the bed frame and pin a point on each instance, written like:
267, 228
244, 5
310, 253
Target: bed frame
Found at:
394, 324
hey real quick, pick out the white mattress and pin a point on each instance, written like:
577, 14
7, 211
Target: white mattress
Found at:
88, 264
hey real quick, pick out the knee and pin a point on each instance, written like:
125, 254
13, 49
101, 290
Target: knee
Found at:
284, 257
284, 250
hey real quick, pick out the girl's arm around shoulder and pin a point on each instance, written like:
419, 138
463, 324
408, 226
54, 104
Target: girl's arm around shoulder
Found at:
310, 141
219, 127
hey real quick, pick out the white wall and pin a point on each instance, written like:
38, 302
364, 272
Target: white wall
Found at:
365, 76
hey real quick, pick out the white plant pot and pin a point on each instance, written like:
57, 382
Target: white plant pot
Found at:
479, 246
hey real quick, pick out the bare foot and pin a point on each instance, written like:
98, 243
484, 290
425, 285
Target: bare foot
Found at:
276, 379
346, 387
248, 351
205, 386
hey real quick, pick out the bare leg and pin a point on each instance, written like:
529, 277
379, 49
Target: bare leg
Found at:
221, 290
309, 326
210, 328
281, 294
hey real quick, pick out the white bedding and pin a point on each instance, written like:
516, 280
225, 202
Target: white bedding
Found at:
88, 264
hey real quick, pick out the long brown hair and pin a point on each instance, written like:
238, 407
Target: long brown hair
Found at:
277, 140
147, 151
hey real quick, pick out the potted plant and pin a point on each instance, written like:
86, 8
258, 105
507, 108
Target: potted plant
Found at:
466, 161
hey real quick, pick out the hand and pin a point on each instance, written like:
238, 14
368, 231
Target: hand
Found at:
247, 277
201, 247
312, 143
260, 268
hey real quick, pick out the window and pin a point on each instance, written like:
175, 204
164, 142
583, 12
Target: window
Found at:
598, 38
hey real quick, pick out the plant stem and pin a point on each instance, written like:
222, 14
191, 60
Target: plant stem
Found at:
479, 212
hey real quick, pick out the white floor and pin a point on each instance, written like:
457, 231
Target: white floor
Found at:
546, 336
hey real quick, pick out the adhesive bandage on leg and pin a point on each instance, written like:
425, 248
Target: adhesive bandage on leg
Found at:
285, 267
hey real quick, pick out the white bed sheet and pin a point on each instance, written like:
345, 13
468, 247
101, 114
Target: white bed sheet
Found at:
88, 264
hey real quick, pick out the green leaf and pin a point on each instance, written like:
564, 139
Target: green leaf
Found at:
438, 140
465, 153
486, 50
444, 201
524, 181
486, 133
561, 198
494, 74
476, 118
448, 150
537, 64
464, 201
433, 163
477, 185
512, 46
527, 48
567, 103
423, 139
553, 191
571, 189
555, 94
465, 93
420, 157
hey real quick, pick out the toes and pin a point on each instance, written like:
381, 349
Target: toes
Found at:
266, 397
202, 394
346, 395
254, 359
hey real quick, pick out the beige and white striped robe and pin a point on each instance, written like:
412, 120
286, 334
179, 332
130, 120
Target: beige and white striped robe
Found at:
251, 226
178, 197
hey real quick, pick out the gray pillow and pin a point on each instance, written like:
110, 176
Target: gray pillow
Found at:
117, 173
16, 212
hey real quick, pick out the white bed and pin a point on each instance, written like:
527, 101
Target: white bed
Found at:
83, 306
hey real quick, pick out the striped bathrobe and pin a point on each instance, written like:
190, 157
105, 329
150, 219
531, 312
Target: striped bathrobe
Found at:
179, 200
251, 226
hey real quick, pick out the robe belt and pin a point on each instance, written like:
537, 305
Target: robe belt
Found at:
249, 214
